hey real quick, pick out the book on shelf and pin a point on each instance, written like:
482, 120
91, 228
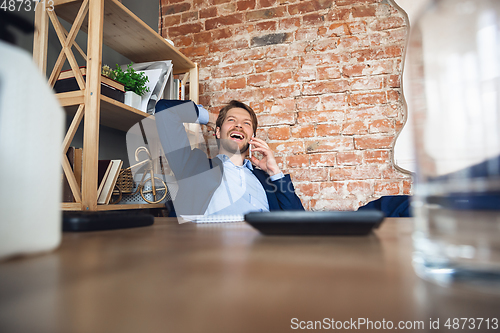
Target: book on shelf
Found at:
109, 181
178, 89
78, 166
182, 90
175, 90
75, 161
67, 195
103, 168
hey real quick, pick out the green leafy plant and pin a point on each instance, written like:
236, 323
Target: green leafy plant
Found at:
132, 80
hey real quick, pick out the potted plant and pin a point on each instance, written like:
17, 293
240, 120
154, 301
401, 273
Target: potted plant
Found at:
134, 83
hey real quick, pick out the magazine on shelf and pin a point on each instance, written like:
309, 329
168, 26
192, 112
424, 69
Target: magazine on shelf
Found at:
109, 181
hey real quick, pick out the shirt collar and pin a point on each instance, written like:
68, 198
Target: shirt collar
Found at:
246, 163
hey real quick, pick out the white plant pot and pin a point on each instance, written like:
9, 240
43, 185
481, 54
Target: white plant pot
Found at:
132, 99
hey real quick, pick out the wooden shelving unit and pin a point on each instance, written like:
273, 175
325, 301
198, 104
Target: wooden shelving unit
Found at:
105, 22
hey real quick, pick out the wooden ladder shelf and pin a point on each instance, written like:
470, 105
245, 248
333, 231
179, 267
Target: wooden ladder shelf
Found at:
105, 22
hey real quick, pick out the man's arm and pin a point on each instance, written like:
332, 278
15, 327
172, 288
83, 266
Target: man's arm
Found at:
279, 187
196, 176
174, 140
285, 194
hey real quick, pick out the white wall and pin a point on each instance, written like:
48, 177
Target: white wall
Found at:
404, 150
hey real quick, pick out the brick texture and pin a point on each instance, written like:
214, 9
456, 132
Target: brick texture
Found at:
324, 77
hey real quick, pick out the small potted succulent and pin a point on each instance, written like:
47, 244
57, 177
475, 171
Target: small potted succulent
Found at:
133, 81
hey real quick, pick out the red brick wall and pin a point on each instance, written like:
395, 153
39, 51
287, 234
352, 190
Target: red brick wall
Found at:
324, 77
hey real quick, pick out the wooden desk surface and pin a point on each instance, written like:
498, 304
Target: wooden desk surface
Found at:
224, 278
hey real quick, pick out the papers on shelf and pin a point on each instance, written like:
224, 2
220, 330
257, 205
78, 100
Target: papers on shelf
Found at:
158, 73
154, 77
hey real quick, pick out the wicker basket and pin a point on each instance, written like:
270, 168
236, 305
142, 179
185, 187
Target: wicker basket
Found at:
125, 180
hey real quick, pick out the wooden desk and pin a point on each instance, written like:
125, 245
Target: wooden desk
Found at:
224, 278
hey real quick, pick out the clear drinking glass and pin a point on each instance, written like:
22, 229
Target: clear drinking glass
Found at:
454, 67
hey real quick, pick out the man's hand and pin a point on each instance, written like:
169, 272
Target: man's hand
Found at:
212, 119
268, 162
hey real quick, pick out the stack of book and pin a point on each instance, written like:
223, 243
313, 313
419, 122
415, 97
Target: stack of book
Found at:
109, 87
107, 175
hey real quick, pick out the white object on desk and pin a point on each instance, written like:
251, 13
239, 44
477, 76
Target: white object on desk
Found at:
31, 132
211, 218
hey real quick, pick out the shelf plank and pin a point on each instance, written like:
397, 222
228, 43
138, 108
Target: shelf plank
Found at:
71, 98
73, 206
125, 33
120, 116
114, 114
132, 206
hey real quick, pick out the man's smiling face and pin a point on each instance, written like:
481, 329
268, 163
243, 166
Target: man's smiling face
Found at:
236, 131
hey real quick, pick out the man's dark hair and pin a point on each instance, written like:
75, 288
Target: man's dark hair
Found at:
236, 104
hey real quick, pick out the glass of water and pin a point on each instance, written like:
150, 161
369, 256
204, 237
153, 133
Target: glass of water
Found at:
454, 67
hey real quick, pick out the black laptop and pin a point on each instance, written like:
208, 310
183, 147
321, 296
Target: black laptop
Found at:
315, 223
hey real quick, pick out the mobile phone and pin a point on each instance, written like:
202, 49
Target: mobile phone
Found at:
250, 151
250, 148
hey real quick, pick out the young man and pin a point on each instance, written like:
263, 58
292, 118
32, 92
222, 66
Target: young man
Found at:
229, 183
